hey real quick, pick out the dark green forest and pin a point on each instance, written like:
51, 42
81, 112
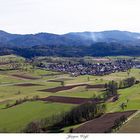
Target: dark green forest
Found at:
97, 49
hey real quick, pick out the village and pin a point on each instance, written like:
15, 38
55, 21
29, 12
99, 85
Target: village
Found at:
92, 69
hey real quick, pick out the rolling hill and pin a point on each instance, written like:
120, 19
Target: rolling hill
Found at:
71, 44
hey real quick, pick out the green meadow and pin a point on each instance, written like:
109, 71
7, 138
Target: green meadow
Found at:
16, 118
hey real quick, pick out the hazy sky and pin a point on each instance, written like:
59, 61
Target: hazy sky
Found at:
62, 16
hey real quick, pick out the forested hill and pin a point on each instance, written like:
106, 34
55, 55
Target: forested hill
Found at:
97, 49
72, 44
70, 39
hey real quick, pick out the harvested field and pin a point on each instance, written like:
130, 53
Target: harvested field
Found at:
25, 77
103, 123
69, 100
27, 85
61, 88
96, 86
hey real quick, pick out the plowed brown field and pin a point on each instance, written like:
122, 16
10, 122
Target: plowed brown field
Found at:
103, 123
25, 77
61, 88
69, 100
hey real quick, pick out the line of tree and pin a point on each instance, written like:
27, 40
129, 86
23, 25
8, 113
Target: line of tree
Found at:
111, 90
20, 101
112, 87
127, 82
79, 114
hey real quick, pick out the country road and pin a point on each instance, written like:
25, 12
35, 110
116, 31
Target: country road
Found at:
132, 116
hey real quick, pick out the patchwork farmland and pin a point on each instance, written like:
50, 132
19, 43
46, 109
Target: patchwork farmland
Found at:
29, 93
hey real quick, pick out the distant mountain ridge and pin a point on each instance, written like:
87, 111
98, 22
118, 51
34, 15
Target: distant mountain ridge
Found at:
69, 39
75, 44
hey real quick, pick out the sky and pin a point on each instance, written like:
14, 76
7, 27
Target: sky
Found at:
63, 16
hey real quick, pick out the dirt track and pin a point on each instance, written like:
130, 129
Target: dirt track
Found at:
102, 124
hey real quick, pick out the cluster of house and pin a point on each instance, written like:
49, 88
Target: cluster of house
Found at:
92, 69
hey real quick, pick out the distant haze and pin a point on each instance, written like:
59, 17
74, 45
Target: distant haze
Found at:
62, 16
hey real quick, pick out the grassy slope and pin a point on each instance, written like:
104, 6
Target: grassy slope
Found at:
16, 118
132, 94
25, 113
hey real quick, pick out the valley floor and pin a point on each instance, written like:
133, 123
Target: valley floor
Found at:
17, 85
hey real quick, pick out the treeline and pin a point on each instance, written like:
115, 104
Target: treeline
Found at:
112, 87
96, 49
20, 101
77, 115
128, 82
111, 91
81, 114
